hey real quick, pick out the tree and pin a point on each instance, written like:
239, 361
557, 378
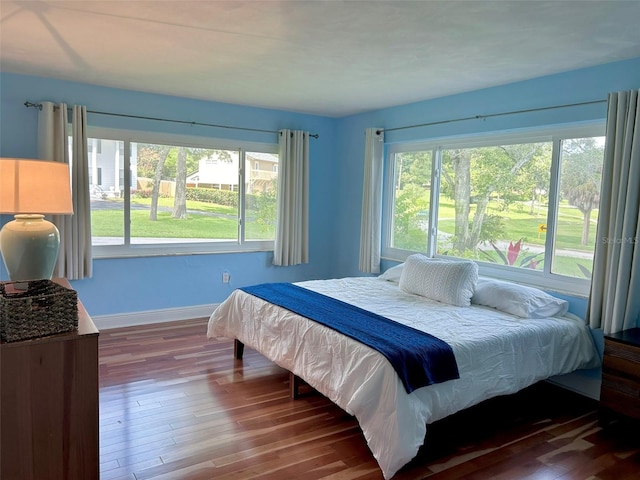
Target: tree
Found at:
180, 200
413, 168
147, 159
475, 175
224, 156
157, 180
151, 163
266, 207
164, 162
461, 189
412, 185
582, 160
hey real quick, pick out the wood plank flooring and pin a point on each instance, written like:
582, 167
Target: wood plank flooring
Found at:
174, 405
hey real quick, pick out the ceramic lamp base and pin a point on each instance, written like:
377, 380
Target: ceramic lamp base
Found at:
29, 246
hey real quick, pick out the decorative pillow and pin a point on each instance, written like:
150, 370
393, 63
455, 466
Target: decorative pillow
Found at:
446, 281
519, 300
392, 274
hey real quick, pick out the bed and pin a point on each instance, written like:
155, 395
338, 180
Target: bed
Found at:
497, 353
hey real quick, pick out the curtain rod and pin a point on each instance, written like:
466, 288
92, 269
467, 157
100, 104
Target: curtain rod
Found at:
489, 115
29, 104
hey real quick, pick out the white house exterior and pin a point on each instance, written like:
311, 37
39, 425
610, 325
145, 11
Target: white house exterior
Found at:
106, 167
213, 172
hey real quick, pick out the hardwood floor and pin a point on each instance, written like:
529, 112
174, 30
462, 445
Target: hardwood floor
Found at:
174, 405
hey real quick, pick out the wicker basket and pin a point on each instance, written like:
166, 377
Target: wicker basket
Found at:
36, 308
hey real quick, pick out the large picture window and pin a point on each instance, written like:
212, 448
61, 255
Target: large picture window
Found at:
524, 206
153, 195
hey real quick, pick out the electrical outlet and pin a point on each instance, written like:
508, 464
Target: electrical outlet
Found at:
226, 277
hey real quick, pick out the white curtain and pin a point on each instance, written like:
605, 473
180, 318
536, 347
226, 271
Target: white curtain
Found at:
292, 229
75, 256
614, 302
371, 223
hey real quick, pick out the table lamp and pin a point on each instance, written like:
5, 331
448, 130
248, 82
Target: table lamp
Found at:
29, 189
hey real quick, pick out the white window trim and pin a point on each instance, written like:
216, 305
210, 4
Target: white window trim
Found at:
127, 249
544, 279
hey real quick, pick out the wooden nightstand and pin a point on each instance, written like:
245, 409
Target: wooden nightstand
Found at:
49, 407
620, 392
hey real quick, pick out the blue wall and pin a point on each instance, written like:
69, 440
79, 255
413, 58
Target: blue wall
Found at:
151, 283
130, 285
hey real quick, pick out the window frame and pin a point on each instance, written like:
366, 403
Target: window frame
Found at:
555, 134
127, 249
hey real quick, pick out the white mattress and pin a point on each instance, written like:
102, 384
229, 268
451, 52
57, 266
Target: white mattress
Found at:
496, 353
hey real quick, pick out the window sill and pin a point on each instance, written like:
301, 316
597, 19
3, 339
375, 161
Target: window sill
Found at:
163, 250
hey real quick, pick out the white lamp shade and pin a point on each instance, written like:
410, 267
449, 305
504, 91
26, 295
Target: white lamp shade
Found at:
29, 189
34, 186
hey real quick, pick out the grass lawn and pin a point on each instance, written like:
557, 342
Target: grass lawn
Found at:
519, 223
109, 223
191, 205
195, 226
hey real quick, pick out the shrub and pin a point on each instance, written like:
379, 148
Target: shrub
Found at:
213, 195
148, 193
143, 193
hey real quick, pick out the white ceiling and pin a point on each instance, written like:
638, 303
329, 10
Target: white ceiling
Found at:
331, 58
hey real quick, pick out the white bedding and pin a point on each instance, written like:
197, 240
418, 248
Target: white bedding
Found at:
497, 354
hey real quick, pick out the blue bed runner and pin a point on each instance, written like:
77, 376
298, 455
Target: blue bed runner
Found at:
420, 359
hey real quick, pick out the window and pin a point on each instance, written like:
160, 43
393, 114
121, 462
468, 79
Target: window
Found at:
162, 194
525, 207
95, 178
94, 146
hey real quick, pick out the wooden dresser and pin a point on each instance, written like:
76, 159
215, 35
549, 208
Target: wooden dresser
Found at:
49, 409
620, 391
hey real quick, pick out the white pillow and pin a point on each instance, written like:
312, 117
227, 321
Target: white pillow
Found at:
525, 302
392, 274
446, 281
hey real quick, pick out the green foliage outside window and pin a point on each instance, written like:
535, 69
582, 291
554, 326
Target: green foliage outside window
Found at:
496, 196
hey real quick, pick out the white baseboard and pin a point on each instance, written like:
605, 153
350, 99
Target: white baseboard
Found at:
105, 322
